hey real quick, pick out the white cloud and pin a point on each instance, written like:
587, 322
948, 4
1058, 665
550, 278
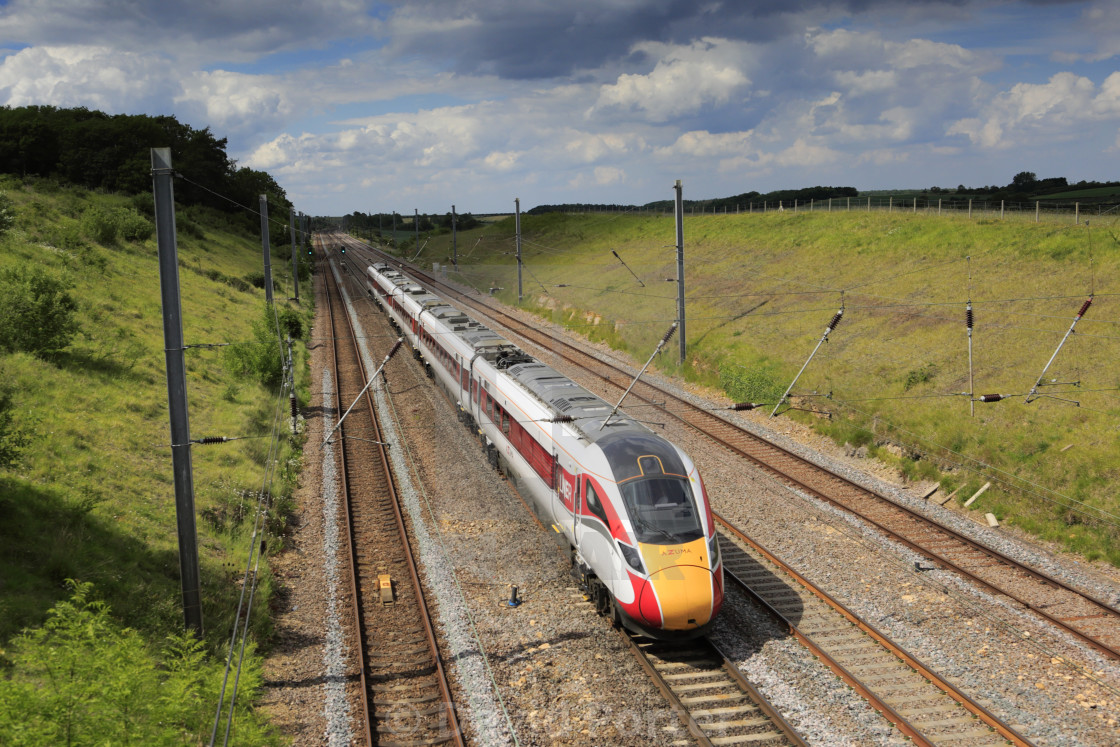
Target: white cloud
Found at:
1030, 110
685, 79
93, 77
704, 144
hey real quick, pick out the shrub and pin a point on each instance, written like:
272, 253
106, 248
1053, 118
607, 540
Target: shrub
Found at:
13, 439
107, 226
83, 679
755, 384
99, 225
260, 357
291, 323
7, 214
36, 311
132, 226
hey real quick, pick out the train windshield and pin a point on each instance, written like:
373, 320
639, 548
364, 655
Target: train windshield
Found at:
662, 510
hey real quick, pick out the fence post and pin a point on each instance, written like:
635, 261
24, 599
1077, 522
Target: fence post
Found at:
915, 205
939, 206
890, 204
869, 203
1001, 203
969, 207
1036, 211
1077, 212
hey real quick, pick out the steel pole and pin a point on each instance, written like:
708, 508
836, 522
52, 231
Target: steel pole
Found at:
164, 195
680, 269
264, 245
295, 260
517, 230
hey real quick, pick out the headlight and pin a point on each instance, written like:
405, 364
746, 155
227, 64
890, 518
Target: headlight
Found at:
632, 556
713, 550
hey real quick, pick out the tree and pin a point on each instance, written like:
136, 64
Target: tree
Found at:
1024, 181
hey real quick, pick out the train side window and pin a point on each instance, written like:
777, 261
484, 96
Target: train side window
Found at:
505, 422
594, 505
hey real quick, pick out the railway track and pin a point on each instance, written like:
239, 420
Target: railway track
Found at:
1073, 610
718, 705
923, 705
406, 700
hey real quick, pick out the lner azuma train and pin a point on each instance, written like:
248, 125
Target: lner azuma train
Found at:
631, 505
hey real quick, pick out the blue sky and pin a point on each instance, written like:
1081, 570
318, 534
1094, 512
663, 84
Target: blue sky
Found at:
379, 106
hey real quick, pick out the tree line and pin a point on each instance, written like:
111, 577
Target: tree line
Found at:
113, 153
374, 223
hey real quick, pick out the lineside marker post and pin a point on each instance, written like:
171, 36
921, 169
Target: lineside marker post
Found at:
164, 195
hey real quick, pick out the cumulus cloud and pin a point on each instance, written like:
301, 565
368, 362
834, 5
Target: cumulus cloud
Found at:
93, 77
685, 79
1028, 109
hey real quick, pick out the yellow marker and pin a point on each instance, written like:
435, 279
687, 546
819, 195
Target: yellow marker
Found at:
386, 585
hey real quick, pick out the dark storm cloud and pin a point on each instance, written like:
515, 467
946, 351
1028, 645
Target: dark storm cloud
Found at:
242, 29
525, 40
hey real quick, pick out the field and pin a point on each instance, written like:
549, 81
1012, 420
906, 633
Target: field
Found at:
894, 375
91, 501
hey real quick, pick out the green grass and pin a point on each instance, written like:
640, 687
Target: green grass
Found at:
762, 288
92, 497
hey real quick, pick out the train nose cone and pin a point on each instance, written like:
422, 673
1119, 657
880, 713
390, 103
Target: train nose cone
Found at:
678, 597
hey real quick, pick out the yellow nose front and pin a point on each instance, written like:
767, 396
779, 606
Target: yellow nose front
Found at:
685, 596
679, 591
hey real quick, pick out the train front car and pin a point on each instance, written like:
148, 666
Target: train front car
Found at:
671, 585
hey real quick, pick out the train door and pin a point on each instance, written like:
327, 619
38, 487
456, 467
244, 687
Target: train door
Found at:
577, 504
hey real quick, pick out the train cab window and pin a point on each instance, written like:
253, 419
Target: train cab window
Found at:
594, 503
662, 509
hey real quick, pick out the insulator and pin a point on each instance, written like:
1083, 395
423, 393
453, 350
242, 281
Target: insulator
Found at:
992, 397
211, 440
669, 334
1084, 307
563, 419
292, 402
968, 316
835, 320
396, 347
740, 406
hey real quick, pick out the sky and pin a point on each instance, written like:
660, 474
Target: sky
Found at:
420, 105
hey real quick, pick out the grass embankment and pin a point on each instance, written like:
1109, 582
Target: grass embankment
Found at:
761, 290
91, 498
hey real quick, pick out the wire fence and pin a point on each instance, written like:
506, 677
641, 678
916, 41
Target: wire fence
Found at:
1036, 211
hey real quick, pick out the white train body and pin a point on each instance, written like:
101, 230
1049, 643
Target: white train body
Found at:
631, 505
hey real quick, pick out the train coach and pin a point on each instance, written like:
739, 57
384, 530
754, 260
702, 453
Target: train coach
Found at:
630, 505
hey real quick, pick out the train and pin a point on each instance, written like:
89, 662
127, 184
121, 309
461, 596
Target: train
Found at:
630, 506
